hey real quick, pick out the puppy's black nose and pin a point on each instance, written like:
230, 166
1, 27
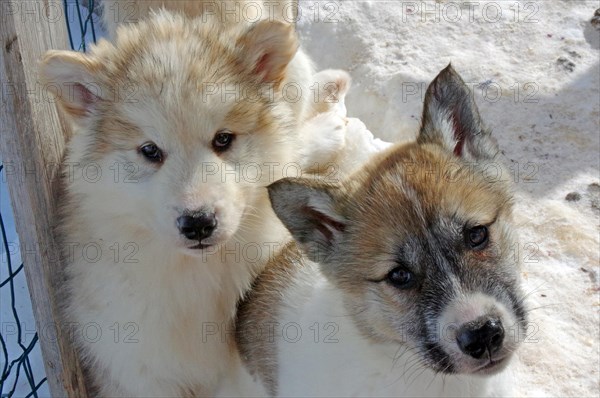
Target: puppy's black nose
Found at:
197, 226
475, 338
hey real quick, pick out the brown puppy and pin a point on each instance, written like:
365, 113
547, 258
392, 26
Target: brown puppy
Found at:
403, 271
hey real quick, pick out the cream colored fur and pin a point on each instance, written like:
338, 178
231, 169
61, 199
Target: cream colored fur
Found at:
150, 316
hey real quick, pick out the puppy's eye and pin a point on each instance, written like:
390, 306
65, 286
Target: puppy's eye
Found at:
223, 140
401, 278
152, 152
477, 237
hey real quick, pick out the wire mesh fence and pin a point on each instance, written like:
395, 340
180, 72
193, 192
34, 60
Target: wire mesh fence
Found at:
21, 363
18, 375
82, 19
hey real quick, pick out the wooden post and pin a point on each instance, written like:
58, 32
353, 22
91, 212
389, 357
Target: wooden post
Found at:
32, 139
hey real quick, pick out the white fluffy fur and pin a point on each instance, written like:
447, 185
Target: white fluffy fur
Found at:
167, 304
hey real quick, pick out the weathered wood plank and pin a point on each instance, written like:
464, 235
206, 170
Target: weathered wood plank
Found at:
32, 138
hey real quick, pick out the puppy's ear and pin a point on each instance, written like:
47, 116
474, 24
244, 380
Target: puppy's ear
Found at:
69, 76
451, 119
308, 210
267, 48
333, 86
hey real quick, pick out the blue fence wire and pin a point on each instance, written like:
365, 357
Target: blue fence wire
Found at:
15, 367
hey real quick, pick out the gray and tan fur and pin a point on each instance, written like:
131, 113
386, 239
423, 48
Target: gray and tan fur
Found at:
406, 267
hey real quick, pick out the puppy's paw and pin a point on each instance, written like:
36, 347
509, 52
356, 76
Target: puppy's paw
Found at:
332, 86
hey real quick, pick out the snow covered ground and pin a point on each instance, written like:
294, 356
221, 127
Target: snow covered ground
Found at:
534, 68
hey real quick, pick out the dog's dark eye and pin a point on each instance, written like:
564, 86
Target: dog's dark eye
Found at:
477, 237
223, 140
401, 278
152, 152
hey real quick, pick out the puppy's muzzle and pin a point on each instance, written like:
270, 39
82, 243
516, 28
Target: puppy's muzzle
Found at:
197, 225
480, 336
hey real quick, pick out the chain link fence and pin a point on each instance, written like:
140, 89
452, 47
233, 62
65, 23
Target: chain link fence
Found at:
21, 362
